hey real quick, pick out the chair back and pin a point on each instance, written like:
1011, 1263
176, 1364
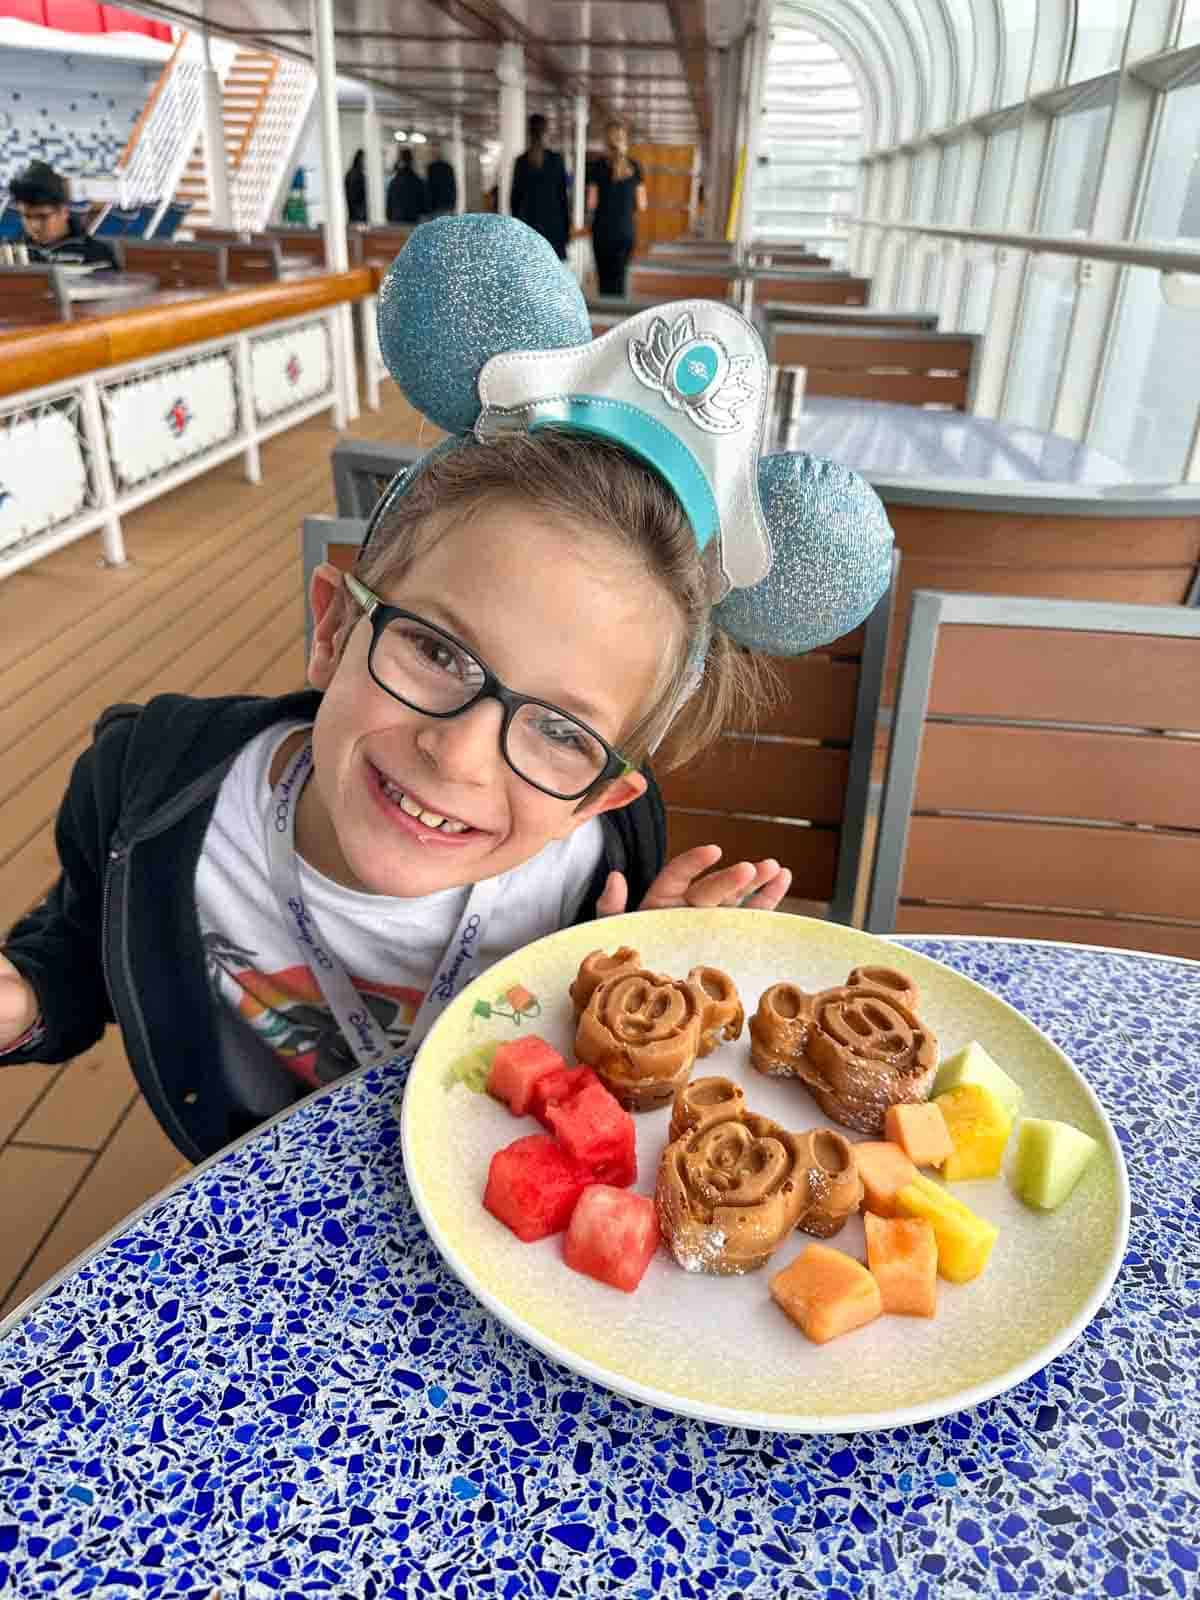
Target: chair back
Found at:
177, 265
795, 789
782, 256
173, 215
143, 216
255, 263
11, 226
34, 295
896, 364
334, 539
683, 281
362, 470
804, 288
205, 235
381, 245
1044, 774
302, 244
769, 312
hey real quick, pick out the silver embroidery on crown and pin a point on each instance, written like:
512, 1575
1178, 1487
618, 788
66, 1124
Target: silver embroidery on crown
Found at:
717, 407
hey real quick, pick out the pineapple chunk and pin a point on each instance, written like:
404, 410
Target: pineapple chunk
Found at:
979, 1128
972, 1064
964, 1241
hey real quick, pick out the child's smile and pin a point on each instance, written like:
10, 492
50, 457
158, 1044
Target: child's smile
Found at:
405, 804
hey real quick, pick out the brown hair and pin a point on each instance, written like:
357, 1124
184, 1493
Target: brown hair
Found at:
590, 483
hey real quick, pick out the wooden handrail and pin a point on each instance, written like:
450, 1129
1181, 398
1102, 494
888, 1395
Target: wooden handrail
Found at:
123, 158
248, 132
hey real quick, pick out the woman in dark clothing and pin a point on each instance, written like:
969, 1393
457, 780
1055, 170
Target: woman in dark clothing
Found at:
407, 200
615, 192
356, 189
539, 189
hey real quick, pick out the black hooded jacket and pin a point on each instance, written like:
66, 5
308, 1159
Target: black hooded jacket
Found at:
118, 938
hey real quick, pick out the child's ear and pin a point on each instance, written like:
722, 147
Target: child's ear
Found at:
620, 792
325, 599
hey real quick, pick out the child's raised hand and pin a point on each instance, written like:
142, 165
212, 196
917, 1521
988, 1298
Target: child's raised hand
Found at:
687, 881
18, 1003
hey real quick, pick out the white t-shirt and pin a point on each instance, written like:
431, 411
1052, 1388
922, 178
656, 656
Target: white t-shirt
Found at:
278, 1037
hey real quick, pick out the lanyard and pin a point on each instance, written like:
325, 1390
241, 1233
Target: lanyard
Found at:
368, 1041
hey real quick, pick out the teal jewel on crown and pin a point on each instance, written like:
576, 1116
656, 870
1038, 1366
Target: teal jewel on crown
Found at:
693, 373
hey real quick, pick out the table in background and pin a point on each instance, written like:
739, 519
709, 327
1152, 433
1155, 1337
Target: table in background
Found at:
879, 439
270, 1379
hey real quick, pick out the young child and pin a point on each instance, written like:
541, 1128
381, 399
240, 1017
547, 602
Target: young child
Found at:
264, 892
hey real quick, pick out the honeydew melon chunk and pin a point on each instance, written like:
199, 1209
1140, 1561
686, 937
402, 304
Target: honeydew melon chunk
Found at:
1050, 1160
972, 1064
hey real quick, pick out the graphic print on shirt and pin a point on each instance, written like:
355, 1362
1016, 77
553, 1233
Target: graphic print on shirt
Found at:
288, 1011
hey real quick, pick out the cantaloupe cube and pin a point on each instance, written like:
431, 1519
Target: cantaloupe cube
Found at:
826, 1293
1051, 1157
972, 1064
964, 1241
979, 1128
902, 1255
920, 1131
884, 1170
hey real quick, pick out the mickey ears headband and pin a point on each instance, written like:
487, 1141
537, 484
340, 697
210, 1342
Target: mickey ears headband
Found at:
485, 331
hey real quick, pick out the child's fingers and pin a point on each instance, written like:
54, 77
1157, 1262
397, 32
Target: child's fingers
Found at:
771, 893
615, 897
729, 886
673, 883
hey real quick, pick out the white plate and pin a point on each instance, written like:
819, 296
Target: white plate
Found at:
719, 1348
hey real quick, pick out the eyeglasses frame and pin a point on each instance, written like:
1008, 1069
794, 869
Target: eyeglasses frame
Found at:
380, 614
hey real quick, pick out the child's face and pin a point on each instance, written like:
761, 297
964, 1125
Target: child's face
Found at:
570, 621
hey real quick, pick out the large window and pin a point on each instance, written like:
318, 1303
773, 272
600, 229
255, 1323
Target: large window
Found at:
1099, 37
811, 140
1075, 156
990, 211
1147, 407
1020, 22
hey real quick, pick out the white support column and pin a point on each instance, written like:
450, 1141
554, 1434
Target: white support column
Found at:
510, 70
758, 70
458, 160
112, 540
216, 170
374, 148
337, 257
245, 382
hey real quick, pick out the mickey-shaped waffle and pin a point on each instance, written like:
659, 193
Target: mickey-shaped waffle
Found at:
732, 1185
641, 1032
858, 1049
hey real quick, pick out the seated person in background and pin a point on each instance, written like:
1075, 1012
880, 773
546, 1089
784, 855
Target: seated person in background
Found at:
442, 184
52, 235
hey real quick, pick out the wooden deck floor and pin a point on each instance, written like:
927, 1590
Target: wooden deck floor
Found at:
211, 603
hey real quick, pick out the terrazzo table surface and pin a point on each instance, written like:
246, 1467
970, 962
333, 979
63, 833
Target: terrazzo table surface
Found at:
268, 1385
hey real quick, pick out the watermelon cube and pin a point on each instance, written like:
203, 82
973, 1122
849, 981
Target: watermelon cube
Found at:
612, 1236
532, 1186
556, 1087
517, 1066
595, 1129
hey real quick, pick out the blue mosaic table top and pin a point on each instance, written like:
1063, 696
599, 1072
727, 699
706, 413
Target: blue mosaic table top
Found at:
269, 1385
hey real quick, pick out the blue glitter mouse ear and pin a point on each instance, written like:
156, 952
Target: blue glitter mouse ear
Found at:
832, 558
465, 289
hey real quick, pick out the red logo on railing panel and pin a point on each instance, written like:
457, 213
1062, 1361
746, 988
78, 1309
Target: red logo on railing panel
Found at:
293, 369
178, 418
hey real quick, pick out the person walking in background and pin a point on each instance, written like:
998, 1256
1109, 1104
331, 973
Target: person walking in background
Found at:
295, 207
442, 184
615, 192
407, 199
356, 189
50, 233
539, 189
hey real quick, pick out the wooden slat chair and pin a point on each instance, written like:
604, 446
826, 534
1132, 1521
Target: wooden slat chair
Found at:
683, 281
797, 788
382, 244
303, 244
895, 364
772, 257
334, 539
812, 288
178, 265
205, 235
34, 295
362, 470
1044, 778
769, 312
255, 263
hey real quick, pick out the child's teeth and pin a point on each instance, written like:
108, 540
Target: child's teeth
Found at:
454, 827
409, 806
429, 818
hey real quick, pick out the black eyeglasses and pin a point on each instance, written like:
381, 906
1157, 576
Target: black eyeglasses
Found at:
430, 671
